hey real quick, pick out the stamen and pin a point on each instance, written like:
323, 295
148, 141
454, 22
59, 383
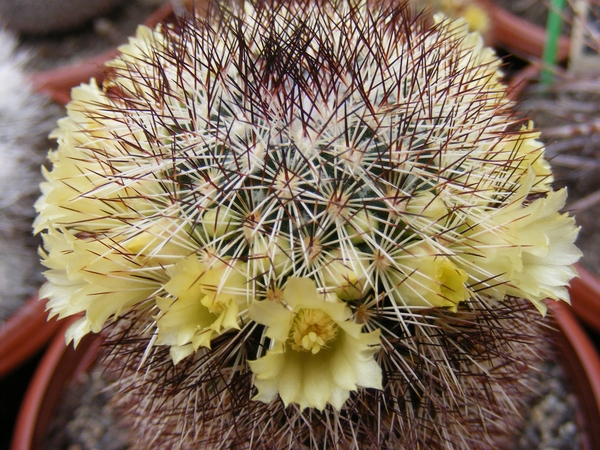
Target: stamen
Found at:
312, 331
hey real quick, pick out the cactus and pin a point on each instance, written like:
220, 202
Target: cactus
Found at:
306, 225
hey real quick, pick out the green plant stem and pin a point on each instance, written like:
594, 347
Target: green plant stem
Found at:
553, 32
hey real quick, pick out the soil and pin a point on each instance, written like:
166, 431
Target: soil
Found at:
85, 420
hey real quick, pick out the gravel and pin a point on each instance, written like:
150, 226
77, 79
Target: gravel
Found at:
549, 423
84, 419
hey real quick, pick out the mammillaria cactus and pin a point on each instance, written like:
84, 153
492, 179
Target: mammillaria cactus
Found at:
307, 225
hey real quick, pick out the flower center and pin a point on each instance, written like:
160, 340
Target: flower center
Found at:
312, 330
275, 295
213, 304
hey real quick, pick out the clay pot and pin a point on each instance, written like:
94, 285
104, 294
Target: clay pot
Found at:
581, 360
60, 364
586, 299
521, 37
57, 83
24, 334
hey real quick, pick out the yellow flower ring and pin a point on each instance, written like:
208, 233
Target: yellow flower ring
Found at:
315, 221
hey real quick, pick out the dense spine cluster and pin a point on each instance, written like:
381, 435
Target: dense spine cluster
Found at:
312, 225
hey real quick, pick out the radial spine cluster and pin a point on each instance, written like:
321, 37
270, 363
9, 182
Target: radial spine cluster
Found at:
317, 211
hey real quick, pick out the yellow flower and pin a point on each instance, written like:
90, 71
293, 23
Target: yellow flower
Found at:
547, 242
523, 250
483, 58
90, 183
425, 212
92, 277
318, 355
345, 273
144, 47
521, 154
270, 256
162, 240
360, 226
477, 17
207, 302
219, 221
423, 278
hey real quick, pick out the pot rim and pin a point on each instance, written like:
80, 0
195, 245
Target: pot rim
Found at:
522, 37
59, 365
24, 334
586, 298
581, 360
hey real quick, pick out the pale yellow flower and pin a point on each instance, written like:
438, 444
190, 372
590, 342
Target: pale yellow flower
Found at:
162, 240
477, 17
523, 250
518, 156
360, 226
206, 301
483, 58
270, 256
93, 277
318, 354
473, 12
345, 273
505, 165
547, 242
422, 277
89, 184
219, 221
146, 46
425, 212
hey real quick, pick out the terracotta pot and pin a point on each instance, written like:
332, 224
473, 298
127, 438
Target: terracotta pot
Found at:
522, 37
580, 358
61, 363
24, 334
586, 299
57, 83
